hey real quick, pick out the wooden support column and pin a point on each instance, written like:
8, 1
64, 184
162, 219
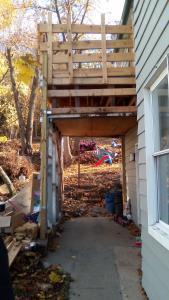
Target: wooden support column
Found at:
79, 163
50, 53
104, 56
69, 37
124, 187
43, 212
60, 171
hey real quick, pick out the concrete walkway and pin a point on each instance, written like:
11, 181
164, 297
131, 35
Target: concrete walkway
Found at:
100, 256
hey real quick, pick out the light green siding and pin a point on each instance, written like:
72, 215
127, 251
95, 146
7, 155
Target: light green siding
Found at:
151, 32
130, 142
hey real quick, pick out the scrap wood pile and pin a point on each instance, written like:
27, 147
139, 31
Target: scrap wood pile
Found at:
21, 237
32, 276
32, 280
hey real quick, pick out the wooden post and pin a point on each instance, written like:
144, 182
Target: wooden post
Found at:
104, 55
79, 165
59, 170
69, 36
43, 212
50, 53
124, 187
62, 171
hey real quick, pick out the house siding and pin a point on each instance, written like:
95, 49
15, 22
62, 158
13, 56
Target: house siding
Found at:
130, 142
151, 32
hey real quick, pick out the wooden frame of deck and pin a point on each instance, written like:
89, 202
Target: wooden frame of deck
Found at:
88, 84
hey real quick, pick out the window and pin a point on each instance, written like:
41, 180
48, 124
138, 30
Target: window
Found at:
160, 102
157, 154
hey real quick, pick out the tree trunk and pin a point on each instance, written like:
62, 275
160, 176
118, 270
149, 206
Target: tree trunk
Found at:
8, 182
67, 156
29, 127
75, 148
17, 101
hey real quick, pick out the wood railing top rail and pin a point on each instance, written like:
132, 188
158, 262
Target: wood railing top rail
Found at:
85, 28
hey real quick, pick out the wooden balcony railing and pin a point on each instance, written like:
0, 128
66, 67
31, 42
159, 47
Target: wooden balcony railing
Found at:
90, 55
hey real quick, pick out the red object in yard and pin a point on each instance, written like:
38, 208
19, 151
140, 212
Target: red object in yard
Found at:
101, 160
138, 244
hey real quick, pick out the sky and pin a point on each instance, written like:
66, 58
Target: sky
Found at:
112, 9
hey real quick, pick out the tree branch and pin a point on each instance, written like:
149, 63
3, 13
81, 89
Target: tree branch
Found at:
82, 19
85, 11
4, 75
31, 110
16, 98
59, 18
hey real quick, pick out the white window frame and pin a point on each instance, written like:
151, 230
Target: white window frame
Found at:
156, 228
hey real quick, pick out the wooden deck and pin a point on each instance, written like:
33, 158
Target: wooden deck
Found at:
88, 65
88, 68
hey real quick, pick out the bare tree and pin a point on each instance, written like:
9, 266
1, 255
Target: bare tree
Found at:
25, 128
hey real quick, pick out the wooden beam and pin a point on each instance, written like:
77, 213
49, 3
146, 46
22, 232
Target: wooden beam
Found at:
92, 92
86, 28
13, 251
69, 36
91, 57
94, 110
132, 101
110, 125
95, 81
91, 72
49, 43
110, 101
43, 204
89, 44
104, 58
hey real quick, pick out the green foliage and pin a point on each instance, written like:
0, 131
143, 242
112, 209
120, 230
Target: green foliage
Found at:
25, 69
3, 139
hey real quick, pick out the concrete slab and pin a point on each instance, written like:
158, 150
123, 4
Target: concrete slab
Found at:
128, 262
89, 251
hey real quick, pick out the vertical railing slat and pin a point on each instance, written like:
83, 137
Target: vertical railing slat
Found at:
104, 56
50, 54
69, 37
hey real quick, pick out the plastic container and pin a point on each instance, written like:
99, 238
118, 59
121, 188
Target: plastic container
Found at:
118, 203
114, 202
109, 199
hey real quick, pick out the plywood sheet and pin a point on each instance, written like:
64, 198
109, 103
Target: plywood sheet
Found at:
96, 126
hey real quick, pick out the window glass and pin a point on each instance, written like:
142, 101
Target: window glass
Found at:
161, 115
163, 187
